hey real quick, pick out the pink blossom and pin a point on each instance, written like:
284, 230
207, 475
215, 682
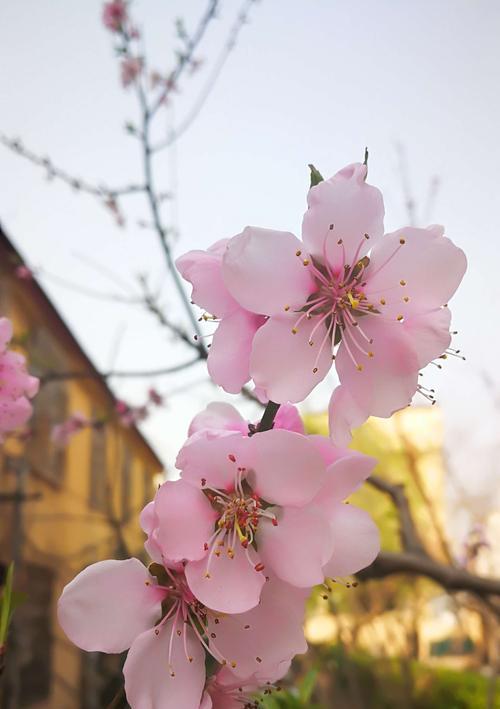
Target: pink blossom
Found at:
219, 416
130, 415
24, 273
114, 15
375, 304
113, 606
229, 357
131, 67
247, 507
155, 398
62, 433
16, 385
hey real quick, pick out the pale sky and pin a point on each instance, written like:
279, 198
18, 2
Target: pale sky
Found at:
309, 81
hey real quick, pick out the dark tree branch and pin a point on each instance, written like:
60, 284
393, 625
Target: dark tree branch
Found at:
414, 559
410, 539
451, 578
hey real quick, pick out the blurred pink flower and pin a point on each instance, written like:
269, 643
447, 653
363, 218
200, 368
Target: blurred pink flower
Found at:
155, 398
130, 415
113, 606
63, 432
24, 273
131, 67
16, 385
114, 15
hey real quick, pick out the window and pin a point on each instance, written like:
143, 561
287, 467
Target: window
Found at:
98, 470
50, 407
126, 483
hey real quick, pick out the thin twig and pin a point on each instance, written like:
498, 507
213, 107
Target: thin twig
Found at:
241, 20
62, 376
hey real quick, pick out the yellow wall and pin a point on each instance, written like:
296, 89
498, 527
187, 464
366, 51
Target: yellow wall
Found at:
61, 531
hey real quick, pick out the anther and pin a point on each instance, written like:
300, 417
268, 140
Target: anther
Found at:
294, 330
259, 567
331, 227
406, 299
370, 354
287, 308
203, 482
179, 633
232, 458
157, 632
402, 241
382, 301
359, 367
259, 659
207, 575
213, 636
246, 627
233, 664
399, 318
298, 253
340, 241
367, 236
311, 343
402, 282
315, 369
306, 262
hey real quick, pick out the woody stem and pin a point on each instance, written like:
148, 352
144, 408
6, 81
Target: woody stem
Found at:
267, 420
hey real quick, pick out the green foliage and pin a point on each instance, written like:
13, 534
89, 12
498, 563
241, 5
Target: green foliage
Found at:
299, 698
316, 176
9, 600
342, 679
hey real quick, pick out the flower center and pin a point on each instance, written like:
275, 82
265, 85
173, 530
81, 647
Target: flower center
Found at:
340, 302
239, 515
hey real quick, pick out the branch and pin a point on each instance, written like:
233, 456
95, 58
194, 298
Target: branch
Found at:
410, 539
228, 47
186, 56
450, 577
100, 191
62, 376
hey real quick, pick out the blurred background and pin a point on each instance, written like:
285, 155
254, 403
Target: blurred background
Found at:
264, 88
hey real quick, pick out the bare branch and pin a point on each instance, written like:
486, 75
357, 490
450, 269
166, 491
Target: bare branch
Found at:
62, 376
410, 539
76, 183
450, 577
187, 55
241, 21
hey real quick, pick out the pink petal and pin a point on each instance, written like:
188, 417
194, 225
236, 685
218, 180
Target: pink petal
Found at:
329, 452
149, 525
262, 271
429, 334
229, 357
206, 702
203, 269
353, 207
282, 362
430, 266
148, 680
343, 478
288, 417
272, 631
356, 541
232, 586
108, 605
285, 467
388, 379
344, 415
208, 456
185, 520
218, 416
297, 549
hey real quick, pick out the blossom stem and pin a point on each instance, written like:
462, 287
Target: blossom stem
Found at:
267, 420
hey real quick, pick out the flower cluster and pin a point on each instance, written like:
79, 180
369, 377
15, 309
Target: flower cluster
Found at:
258, 514
17, 387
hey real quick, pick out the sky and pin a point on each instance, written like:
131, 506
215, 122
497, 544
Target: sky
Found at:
308, 81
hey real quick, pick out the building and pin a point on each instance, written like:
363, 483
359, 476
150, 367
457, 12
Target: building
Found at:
62, 508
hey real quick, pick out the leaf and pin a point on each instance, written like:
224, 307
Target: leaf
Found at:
307, 686
316, 176
6, 607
